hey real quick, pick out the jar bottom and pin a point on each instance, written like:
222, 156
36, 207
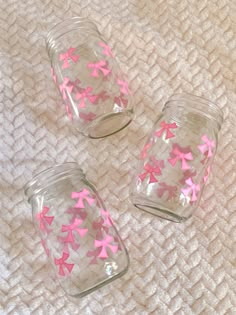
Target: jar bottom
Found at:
109, 124
159, 211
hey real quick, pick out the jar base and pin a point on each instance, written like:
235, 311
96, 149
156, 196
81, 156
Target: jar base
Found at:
161, 212
109, 124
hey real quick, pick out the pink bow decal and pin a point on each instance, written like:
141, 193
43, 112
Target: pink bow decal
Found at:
123, 86
145, 149
43, 219
106, 216
99, 66
104, 244
107, 50
87, 117
77, 212
65, 87
47, 251
103, 96
68, 55
151, 170
61, 262
180, 154
53, 75
207, 174
166, 128
85, 94
186, 175
75, 246
100, 228
94, 254
164, 188
193, 189
76, 85
74, 226
121, 101
207, 146
82, 196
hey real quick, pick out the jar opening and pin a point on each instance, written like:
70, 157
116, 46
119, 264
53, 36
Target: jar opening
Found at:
50, 176
198, 105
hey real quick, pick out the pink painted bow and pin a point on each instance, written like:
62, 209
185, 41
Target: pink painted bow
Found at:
165, 127
124, 88
186, 175
100, 66
180, 154
68, 55
207, 174
43, 219
86, 94
74, 226
145, 149
61, 262
207, 146
87, 117
105, 244
164, 188
106, 50
106, 216
100, 228
65, 87
193, 189
83, 195
121, 101
77, 212
67, 245
151, 171
95, 256
102, 96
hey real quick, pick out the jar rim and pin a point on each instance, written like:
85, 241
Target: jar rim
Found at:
57, 171
198, 104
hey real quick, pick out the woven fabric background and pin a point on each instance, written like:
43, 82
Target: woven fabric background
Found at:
165, 47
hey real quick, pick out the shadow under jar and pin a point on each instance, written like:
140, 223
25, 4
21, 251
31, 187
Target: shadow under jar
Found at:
176, 160
76, 231
94, 90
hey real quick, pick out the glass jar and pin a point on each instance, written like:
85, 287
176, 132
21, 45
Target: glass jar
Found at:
76, 230
176, 160
95, 92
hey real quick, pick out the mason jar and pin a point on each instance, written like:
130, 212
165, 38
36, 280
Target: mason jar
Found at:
95, 92
76, 230
177, 157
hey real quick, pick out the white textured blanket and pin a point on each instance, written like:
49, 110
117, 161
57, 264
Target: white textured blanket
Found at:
166, 47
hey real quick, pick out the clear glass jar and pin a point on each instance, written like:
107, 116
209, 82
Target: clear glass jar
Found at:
177, 157
76, 230
95, 92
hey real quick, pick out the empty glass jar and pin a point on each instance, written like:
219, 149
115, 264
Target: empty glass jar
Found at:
94, 90
76, 230
176, 160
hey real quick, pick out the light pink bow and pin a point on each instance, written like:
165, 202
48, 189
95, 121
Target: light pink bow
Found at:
87, 117
94, 254
61, 262
74, 226
106, 50
186, 175
164, 188
68, 55
86, 94
193, 189
43, 219
179, 153
99, 66
66, 245
65, 87
77, 212
151, 170
166, 128
106, 216
207, 146
104, 244
100, 228
207, 174
121, 101
123, 86
82, 196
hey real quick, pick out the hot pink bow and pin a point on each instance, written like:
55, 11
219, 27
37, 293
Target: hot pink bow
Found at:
86, 94
68, 55
170, 190
193, 189
77, 212
104, 244
106, 216
61, 262
43, 219
121, 101
99, 66
82, 196
179, 153
74, 226
166, 128
207, 146
65, 87
151, 170
123, 86
87, 117
107, 50
75, 246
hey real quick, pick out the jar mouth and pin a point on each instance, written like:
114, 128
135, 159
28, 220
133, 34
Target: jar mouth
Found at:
197, 104
49, 176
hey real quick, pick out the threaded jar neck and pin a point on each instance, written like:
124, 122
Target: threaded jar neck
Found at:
197, 105
56, 33
50, 176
